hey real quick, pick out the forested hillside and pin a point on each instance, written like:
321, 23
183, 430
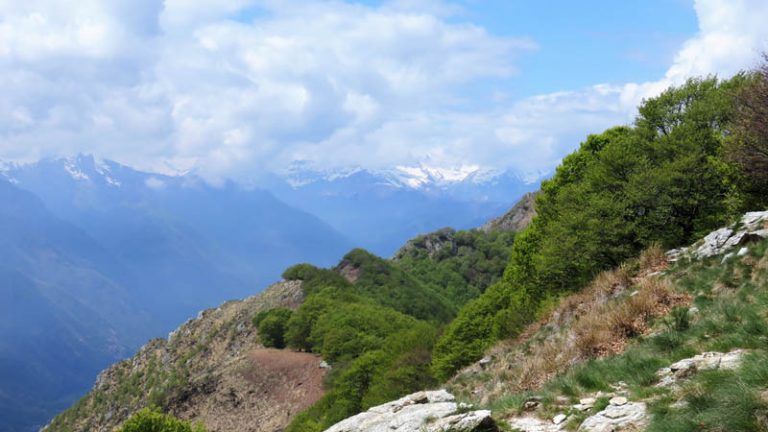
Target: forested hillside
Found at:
688, 165
374, 321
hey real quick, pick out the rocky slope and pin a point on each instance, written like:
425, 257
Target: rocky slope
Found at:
654, 345
517, 218
213, 370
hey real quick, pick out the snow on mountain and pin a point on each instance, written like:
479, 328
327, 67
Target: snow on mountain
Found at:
418, 177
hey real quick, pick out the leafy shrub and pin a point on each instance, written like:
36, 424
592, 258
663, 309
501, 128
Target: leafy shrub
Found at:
148, 420
272, 326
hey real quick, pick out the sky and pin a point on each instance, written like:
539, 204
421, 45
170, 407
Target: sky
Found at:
237, 88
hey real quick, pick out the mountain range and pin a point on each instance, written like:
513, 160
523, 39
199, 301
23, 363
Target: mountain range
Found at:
380, 209
97, 257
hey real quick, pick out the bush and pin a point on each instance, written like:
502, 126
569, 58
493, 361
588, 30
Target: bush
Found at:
149, 420
272, 326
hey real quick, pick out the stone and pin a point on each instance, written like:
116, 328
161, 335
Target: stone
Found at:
533, 424
618, 401
531, 405
558, 419
751, 227
485, 361
585, 404
731, 360
617, 417
324, 365
743, 251
684, 368
429, 411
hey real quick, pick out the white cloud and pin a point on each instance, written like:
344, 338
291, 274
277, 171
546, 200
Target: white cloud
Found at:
233, 87
732, 35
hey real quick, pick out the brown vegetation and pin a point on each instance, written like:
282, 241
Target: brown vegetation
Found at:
598, 321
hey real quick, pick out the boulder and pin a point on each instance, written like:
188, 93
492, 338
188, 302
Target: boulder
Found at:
684, 368
429, 411
619, 415
752, 226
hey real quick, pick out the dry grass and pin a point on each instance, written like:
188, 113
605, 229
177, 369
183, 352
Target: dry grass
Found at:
596, 322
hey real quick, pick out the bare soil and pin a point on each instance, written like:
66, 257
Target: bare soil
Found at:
261, 393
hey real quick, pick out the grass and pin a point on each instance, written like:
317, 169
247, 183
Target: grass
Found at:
732, 303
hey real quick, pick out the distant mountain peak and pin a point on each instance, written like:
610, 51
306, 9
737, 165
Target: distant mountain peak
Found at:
421, 176
424, 175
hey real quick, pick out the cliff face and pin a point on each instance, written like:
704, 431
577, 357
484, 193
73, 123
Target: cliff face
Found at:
213, 370
517, 218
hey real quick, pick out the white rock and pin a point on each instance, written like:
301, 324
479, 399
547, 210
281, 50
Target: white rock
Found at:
618, 401
731, 360
684, 368
720, 241
430, 411
533, 424
613, 418
558, 419
743, 251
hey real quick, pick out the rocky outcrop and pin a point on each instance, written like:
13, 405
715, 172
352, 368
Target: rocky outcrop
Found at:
433, 244
517, 218
430, 411
683, 369
752, 226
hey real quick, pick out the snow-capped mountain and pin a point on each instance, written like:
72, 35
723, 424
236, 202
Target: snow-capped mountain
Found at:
380, 209
420, 177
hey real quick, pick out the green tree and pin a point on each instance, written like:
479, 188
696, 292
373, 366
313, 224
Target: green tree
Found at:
149, 420
747, 148
272, 326
661, 181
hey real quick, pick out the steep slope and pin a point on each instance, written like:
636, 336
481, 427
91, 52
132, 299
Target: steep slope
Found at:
64, 317
671, 341
212, 369
517, 218
109, 257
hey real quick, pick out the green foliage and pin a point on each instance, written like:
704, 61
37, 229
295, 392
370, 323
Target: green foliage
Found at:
399, 366
272, 325
662, 181
389, 285
747, 147
717, 400
471, 262
148, 420
379, 330
314, 278
678, 320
